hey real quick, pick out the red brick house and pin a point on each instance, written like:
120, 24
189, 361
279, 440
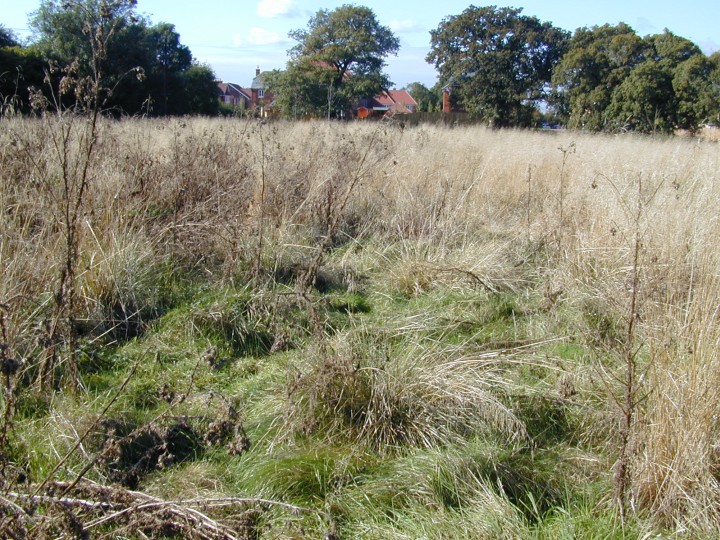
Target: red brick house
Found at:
256, 98
233, 94
388, 103
260, 99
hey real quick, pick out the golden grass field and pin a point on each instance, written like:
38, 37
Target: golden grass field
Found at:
607, 246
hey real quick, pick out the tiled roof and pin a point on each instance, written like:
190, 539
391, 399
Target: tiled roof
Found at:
233, 89
398, 101
402, 97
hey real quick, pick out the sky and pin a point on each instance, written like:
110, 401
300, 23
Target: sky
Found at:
235, 37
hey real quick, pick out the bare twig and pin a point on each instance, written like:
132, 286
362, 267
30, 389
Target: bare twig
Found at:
191, 517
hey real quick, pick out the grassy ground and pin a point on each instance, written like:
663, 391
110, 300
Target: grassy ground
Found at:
358, 331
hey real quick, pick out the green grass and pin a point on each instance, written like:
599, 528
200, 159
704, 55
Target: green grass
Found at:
401, 421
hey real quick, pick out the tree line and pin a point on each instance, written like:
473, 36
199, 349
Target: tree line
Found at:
498, 65
145, 67
510, 70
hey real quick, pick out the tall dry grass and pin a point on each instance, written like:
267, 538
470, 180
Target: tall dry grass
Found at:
677, 468
235, 200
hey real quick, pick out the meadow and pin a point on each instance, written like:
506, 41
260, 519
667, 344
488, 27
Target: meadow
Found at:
236, 329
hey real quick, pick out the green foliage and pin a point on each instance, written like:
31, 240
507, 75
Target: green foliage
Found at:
428, 100
199, 90
696, 84
611, 79
303, 90
644, 101
8, 37
62, 27
671, 49
597, 61
338, 59
20, 69
497, 61
714, 91
146, 68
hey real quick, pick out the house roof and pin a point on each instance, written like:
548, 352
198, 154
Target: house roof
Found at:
397, 101
403, 97
257, 82
233, 89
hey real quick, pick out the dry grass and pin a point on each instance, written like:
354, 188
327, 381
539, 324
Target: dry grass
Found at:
234, 202
678, 466
363, 389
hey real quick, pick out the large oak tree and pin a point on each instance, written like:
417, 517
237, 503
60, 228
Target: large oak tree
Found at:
611, 79
339, 58
496, 61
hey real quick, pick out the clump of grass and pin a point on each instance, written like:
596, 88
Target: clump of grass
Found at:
125, 287
428, 494
413, 394
238, 318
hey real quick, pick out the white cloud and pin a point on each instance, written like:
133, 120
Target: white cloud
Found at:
405, 25
275, 8
258, 36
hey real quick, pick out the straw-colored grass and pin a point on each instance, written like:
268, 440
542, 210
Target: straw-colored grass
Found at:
372, 298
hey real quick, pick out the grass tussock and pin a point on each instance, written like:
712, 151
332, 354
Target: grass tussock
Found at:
357, 330
389, 397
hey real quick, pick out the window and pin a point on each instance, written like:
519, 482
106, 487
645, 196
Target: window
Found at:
261, 92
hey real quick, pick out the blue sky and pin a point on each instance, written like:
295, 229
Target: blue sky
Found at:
235, 37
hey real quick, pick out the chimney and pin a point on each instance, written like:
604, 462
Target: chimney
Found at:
257, 71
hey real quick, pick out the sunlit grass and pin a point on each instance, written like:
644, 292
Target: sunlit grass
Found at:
452, 368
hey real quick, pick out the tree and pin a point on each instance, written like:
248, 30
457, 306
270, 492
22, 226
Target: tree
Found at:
690, 72
598, 61
644, 101
611, 79
671, 49
714, 90
76, 35
300, 91
427, 100
338, 59
20, 68
133, 47
167, 60
698, 98
199, 91
497, 61
62, 27
8, 38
